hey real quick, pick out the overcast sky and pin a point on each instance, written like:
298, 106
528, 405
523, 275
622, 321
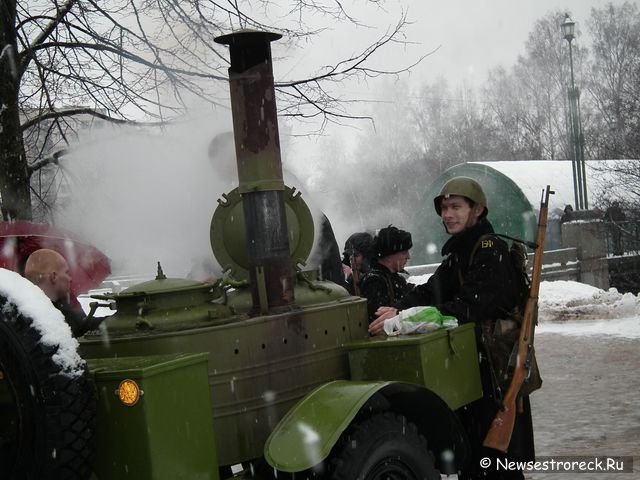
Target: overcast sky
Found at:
467, 38
476, 35
471, 36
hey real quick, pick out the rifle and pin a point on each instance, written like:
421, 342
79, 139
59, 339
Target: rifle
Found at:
355, 273
500, 430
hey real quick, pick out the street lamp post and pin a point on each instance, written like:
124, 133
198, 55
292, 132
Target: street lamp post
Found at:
577, 137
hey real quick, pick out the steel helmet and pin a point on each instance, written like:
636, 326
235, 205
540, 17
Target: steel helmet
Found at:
358, 243
464, 187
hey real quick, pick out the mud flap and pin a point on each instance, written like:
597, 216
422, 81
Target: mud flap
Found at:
307, 433
305, 437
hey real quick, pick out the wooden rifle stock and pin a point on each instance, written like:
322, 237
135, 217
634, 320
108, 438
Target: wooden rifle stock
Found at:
500, 430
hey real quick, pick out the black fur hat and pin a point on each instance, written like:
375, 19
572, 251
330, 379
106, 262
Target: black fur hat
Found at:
390, 240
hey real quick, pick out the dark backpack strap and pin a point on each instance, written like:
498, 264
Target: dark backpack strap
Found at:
483, 238
390, 289
532, 245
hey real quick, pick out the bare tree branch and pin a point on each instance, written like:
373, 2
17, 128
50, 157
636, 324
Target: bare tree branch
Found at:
46, 32
356, 64
52, 159
127, 61
73, 112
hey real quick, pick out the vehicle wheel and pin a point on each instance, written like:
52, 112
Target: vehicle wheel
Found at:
383, 447
47, 408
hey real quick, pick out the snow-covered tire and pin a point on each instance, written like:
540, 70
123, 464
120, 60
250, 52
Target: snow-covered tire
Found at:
384, 446
47, 409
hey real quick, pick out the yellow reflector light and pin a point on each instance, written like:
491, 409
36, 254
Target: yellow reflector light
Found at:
128, 392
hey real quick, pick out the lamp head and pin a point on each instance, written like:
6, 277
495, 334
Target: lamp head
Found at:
568, 27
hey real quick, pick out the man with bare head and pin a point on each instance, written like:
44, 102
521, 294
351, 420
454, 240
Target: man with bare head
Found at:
50, 271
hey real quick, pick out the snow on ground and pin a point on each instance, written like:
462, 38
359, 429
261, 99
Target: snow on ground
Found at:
595, 311
598, 312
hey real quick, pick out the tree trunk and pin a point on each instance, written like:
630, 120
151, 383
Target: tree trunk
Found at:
15, 197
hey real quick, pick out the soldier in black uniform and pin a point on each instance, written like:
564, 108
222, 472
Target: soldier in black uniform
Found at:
615, 218
567, 214
358, 254
476, 283
383, 284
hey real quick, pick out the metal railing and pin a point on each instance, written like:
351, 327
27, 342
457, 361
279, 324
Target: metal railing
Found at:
623, 238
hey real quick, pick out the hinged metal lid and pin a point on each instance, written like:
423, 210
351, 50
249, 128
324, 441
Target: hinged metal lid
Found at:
228, 237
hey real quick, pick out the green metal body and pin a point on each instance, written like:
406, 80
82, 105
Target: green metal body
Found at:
442, 365
444, 361
259, 367
168, 433
269, 375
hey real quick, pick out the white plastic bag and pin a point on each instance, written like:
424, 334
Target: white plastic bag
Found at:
418, 320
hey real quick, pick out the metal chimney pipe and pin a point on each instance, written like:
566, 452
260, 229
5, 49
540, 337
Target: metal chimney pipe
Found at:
255, 127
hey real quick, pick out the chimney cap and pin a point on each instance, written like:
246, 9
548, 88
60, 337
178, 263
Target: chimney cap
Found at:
247, 36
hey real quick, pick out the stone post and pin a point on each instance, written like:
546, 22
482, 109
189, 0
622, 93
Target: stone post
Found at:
589, 238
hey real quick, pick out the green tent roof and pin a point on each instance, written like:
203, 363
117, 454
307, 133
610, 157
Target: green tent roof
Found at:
510, 212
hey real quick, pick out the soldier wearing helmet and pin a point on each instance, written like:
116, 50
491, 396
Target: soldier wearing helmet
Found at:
476, 283
383, 284
357, 255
